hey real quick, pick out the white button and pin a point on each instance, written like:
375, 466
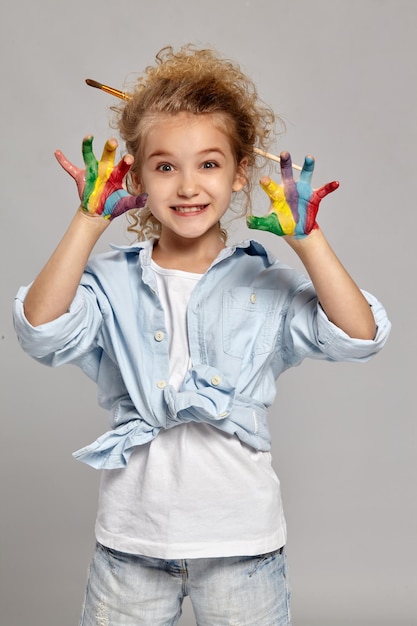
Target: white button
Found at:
159, 335
253, 298
224, 414
161, 384
216, 380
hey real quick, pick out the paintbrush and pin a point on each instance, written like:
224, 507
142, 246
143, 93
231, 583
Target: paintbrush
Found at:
114, 92
126, 96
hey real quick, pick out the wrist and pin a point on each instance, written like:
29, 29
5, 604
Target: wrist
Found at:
94, 221
300, 243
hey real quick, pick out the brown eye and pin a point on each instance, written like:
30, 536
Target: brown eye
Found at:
165, 167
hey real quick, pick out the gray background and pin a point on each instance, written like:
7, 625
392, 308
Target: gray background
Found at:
342, 73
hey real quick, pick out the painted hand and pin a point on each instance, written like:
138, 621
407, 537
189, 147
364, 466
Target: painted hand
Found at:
100, 184
294, 205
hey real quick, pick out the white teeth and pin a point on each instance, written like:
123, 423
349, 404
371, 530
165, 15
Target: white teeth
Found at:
189, 209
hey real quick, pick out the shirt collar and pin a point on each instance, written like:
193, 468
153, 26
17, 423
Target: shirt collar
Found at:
249, 246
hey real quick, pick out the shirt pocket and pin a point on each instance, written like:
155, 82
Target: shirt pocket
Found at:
249, 321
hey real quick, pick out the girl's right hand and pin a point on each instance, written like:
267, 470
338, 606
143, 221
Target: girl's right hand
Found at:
100, 184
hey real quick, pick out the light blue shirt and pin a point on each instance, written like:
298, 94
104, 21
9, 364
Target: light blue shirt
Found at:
250, 317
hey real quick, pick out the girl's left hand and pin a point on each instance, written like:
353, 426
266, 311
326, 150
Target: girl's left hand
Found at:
100, 184
294, 205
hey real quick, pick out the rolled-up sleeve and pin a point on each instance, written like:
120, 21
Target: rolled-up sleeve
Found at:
338, 346
64, 339
308, 332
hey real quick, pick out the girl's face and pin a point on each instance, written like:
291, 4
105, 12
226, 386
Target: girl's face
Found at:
189, 173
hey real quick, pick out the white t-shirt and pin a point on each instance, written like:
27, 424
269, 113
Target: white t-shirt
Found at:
194, 491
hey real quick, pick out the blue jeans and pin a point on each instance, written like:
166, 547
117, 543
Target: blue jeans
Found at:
129, 590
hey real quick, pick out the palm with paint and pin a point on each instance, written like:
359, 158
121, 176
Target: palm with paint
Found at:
100, 184
294, 205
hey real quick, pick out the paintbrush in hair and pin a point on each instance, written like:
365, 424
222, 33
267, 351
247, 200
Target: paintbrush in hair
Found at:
126, 96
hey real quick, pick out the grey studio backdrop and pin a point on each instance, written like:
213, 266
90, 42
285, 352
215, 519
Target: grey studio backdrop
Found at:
342, 74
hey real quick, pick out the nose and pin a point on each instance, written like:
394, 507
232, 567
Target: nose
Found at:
188, 185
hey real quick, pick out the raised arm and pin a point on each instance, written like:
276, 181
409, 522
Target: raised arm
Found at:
100, 187
294, 206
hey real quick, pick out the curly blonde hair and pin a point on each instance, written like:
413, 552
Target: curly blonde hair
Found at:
195, 81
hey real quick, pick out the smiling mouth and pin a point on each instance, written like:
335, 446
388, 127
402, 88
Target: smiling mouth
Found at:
189, 209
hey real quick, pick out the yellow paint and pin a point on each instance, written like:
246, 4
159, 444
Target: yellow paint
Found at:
280, 206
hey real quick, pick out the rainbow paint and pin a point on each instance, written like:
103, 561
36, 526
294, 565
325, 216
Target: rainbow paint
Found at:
294, 205
100, 185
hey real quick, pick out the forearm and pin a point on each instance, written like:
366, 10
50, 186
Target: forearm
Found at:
339, 296
54, 289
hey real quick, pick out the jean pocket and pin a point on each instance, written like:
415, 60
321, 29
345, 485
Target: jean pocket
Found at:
263, 560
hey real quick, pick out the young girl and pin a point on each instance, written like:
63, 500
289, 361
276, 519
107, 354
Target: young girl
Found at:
185, 337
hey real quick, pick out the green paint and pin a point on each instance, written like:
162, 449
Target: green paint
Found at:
268, 222
91, 170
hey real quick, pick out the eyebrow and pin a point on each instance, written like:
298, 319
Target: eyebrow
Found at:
163, 153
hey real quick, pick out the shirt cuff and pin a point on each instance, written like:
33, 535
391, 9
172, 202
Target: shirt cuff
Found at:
339, 346
46, 339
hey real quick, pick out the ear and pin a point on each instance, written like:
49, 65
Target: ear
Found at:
241, 175
136, 183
